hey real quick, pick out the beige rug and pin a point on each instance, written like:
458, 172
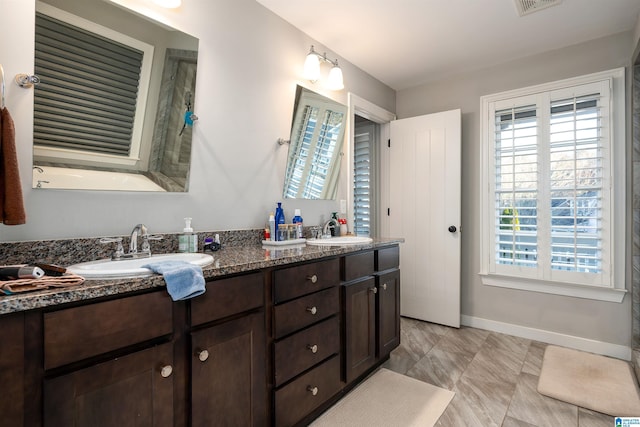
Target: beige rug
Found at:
590, 381
388, 399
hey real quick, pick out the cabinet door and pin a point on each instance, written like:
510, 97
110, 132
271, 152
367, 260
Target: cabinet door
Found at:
388, 312
228, 376
360, 325
12, 356
134, 390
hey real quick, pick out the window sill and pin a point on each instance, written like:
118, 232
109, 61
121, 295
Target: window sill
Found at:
555, 288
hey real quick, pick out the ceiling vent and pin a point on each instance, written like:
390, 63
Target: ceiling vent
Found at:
525, 7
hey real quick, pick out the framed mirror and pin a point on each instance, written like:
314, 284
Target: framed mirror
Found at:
114, 106
317, 136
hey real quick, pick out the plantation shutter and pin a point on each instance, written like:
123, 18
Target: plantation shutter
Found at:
576, 184
363, 182
89, 84
516, 186
304, 134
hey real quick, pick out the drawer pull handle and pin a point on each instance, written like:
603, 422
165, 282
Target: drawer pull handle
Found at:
166, 371
313, 348
203, 355
374, 290
312, 390
312, 310
313, 278
384, 286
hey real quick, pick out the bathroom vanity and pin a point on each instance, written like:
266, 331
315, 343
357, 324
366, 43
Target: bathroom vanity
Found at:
278, 337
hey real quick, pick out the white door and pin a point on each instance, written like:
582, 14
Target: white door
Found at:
424, 187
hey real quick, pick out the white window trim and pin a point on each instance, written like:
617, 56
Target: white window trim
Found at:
141, 102
617, 289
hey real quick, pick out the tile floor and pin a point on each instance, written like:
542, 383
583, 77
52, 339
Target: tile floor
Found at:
493, 375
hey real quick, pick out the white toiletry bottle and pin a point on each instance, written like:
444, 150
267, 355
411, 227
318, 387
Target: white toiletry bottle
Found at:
272, 227
188, 240
297, 223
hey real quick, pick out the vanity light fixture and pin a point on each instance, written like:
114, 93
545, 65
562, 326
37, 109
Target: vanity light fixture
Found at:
312, 70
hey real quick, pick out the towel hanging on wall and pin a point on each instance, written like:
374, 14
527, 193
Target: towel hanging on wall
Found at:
11, 203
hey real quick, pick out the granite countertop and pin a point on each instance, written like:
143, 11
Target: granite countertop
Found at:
228, 260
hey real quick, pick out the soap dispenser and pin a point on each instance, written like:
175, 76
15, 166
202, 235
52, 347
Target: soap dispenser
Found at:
188, 240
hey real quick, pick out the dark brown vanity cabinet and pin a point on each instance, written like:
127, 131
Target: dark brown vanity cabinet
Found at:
228, 354
12, 370
99, 371
371, 307
306, 339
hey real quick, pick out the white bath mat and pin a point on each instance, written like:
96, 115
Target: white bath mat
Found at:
590, 381
388, 399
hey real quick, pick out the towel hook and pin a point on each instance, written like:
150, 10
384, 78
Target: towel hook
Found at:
26, 81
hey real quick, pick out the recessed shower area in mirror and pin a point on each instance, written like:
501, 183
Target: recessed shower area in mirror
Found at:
317, 136
114, 109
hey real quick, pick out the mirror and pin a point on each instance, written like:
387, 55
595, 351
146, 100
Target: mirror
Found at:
317, 134
114, 107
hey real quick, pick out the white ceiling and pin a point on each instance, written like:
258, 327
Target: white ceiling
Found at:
405, 43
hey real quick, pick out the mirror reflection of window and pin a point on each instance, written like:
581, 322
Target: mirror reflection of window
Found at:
90, 100
118, 124
316, 141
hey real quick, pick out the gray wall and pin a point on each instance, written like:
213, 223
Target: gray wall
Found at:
250, 62
601, 321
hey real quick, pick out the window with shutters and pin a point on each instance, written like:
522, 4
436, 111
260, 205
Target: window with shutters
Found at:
554, 169
316, 140
364, 176
90, 102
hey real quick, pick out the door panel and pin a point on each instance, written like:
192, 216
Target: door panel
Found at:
425, 199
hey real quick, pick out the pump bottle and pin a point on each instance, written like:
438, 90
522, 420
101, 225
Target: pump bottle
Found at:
188, 240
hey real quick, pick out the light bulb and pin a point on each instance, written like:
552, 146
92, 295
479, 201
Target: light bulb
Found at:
312, 66
335, 81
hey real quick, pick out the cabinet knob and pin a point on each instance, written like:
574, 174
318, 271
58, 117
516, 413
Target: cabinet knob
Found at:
203, 355
313, 278
374, 290
313, 390
384, 286
312, 310
166, 371
313, 348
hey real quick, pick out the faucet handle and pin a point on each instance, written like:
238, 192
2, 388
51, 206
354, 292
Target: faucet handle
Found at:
119, 249
146, 247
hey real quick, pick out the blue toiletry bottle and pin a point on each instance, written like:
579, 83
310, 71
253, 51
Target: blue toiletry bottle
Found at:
279, 218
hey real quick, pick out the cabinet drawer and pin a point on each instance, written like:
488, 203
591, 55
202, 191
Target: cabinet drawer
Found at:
301, 351
387, 258
297, 314
300, 280
357, 265
227, 297
298, 398
81, 332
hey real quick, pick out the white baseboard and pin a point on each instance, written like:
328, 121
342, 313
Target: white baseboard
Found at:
578, 343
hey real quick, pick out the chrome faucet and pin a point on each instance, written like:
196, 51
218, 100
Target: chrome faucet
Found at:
133, 241
328, 226
145, 249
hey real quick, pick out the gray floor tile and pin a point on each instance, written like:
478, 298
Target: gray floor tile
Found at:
494, 376
530, 406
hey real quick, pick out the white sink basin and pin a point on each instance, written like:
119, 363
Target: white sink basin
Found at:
107, 268
340, 241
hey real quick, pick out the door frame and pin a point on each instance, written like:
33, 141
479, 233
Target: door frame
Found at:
376, 114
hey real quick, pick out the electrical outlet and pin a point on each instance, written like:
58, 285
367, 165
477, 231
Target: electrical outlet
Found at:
343, 206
